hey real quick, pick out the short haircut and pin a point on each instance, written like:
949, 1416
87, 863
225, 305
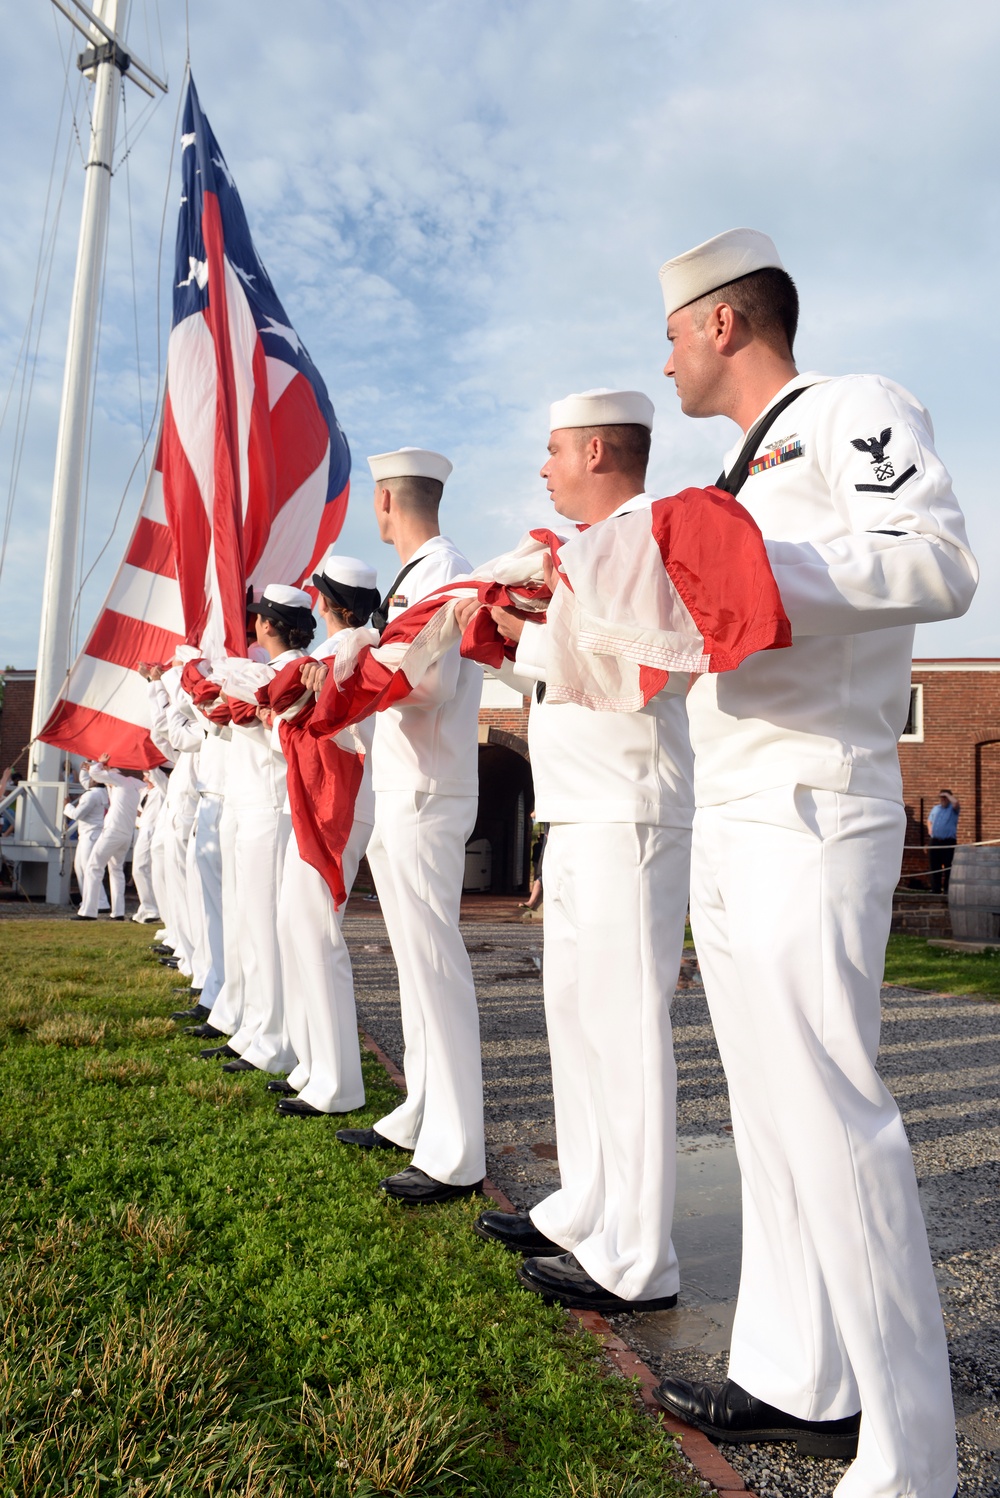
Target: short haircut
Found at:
627, 442
418, 496
766, 300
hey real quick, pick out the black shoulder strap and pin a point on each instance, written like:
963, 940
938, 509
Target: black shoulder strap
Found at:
380, 616
740, 471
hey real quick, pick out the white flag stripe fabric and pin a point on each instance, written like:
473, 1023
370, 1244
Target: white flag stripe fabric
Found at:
104, 706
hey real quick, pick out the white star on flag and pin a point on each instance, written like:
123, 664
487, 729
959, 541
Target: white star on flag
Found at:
198, 273
244, 275
280, 331
223, 168
188, 140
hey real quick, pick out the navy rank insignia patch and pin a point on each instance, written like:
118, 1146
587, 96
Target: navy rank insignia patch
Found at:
777, 452
875, 447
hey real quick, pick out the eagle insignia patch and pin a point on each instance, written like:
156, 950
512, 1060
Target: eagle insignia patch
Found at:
875, 447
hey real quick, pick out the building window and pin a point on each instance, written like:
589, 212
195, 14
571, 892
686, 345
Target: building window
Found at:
913, 733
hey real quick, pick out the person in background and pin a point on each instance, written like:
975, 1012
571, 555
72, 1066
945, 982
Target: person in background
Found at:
125, 788
88, 813
942, 824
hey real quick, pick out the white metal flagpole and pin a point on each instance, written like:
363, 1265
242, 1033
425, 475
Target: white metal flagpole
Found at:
41, 812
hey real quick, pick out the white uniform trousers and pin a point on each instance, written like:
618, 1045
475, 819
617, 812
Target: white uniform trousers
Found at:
227, 1011
142, 874
417, 857
180, 824
318, 983
158, 872
109, 852
86, 840
261, 837
838, 1308
204, 878
616, 897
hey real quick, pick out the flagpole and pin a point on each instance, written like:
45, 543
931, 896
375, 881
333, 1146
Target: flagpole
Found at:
40, 811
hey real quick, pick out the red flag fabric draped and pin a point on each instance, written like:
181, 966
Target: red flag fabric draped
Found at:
323, 779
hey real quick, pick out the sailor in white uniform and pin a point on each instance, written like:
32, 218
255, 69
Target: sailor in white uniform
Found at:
88, 813
426, 779
255, 783
125, 788
797, 848
616, 791
142, 853
316, 973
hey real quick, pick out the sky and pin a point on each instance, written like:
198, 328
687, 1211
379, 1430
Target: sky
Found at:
463, 207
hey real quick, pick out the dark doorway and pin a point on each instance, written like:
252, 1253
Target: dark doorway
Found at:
504, 820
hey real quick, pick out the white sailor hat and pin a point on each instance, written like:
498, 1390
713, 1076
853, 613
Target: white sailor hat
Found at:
715, 263
602, 408
349, 584
285, 605
410, 462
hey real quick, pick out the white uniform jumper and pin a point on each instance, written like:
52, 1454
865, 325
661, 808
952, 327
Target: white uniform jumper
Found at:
426, 781
255, 784
112, 847
616, 790
797, 847
88, 814
173, 832
317, 979
142, 853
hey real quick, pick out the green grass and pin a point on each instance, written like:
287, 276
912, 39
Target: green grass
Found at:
912, 963
198, 1297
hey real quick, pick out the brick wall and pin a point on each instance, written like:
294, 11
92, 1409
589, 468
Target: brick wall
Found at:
961, 711
15, 718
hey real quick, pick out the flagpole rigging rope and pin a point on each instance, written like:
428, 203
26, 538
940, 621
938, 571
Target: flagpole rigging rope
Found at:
43, 271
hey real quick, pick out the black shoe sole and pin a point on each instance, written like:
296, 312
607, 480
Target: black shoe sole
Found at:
807, 1442
460, 1193
543, 1246
609, 1304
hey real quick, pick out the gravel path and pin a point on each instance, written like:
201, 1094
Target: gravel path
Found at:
941, 1059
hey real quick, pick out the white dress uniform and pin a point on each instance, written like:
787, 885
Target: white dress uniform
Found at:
174, 729
142, 853
317, 978
616, 790
112, 846
255, 787
88, 814
426, 779
797, 848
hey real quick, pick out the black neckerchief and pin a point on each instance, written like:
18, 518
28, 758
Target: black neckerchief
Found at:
380, 616
740, 471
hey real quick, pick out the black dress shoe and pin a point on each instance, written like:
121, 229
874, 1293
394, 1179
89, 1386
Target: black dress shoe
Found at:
218, 1053
516, 1231
565, 1280
83, 918
172, 962
367, 1139
196, 1012
116, 917
418, 1189
294, 1107
728, 1413
161, 949
277, 1084
239, 1064
204, 1032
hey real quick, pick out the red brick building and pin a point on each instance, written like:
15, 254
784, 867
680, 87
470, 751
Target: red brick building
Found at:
15, 718
952, 740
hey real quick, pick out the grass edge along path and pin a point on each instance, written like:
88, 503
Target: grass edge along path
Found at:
200, 1297
911, 962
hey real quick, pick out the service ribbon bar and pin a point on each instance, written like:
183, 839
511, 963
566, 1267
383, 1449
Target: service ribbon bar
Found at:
778, 455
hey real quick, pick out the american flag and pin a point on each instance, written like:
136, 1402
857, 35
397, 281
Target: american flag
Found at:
251, 477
